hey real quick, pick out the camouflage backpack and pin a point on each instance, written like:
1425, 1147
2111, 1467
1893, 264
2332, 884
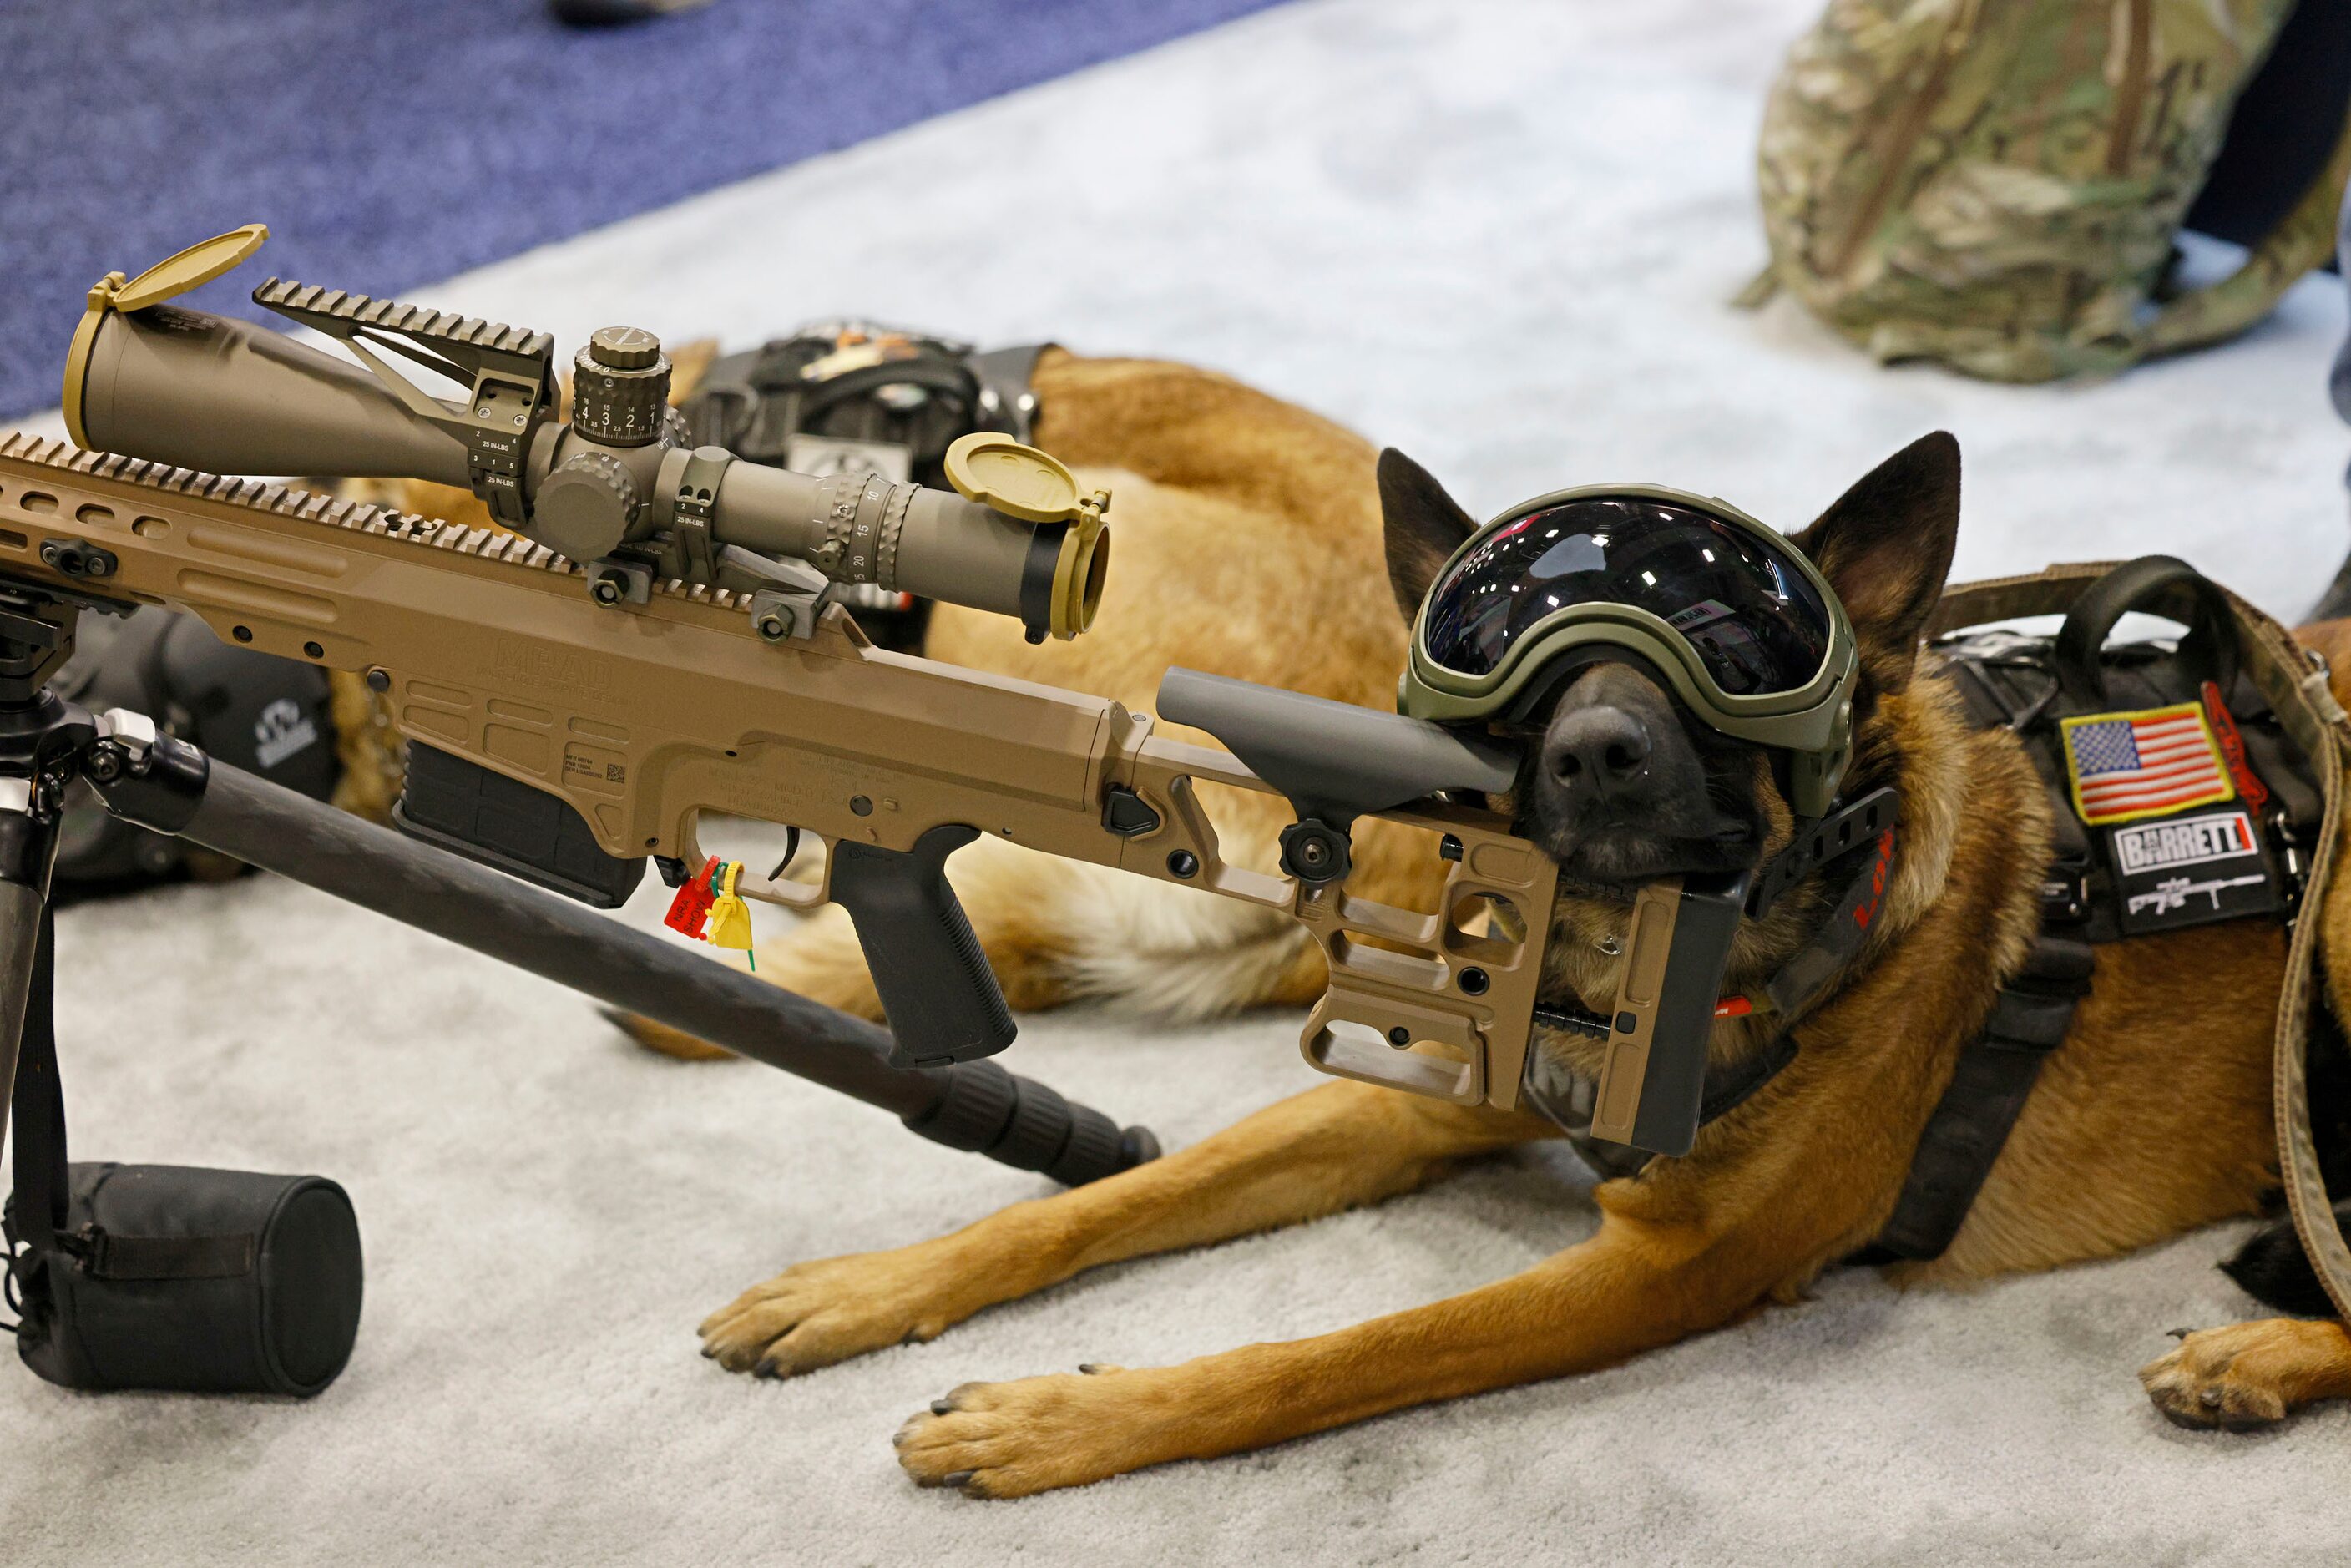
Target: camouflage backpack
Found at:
1996, 183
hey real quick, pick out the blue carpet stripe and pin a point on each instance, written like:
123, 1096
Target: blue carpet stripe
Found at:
392, 142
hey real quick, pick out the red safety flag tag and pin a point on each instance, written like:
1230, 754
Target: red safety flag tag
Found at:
691, 908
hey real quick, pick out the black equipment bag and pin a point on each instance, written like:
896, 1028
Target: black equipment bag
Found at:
856, 397
205, 1281
268, 715
167, 1277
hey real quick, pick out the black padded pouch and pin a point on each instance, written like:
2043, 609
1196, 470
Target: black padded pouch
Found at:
167, 1277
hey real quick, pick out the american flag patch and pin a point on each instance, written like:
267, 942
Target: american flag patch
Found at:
2125, 766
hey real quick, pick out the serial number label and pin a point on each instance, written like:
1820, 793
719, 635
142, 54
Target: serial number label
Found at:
598, 771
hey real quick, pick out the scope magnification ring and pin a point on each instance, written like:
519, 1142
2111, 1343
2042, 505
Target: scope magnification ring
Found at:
894, 526
833, 510
850, 504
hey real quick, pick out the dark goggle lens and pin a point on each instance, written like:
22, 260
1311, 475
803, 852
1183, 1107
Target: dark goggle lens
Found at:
1754, 619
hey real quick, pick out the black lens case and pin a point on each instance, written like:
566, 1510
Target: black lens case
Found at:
167, 1277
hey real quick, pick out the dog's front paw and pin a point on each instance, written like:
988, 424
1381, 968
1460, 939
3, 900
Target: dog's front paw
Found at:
1010, 1439
814, 1314
2236, 1377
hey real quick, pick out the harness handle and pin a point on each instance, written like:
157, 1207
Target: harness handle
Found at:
2160, 584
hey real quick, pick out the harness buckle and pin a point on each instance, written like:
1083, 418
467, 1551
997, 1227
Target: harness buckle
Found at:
2065, 893
2291, 862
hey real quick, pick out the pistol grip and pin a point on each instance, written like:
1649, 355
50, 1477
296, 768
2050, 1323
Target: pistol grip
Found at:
942, 998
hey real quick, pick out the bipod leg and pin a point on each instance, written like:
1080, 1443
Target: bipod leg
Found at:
974, 1105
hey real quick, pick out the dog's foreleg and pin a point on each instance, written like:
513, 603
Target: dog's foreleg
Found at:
1688, 1246
1631, 1288
2250, 1375
1055, 930
1328, 1149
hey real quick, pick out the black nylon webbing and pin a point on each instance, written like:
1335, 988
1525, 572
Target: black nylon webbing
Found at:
1971, 1124
38, 1109
39, 1207
115, 1257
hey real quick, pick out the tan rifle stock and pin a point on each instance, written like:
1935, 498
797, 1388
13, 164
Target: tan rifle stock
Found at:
489, 648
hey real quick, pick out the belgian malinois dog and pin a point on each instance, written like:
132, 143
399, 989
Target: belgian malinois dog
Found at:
1257, 540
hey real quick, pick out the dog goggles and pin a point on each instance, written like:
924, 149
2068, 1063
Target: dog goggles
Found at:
1746, 631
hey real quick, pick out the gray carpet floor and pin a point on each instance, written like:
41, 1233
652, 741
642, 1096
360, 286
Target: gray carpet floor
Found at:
1500, 235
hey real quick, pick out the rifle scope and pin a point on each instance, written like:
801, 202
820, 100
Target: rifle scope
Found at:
614, 488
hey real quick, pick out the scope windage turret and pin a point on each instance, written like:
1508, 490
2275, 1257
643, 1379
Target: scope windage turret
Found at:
615, 489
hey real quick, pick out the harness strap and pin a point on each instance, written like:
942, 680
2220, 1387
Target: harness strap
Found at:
1867, 824
2030, 1013
2310, 716
1803, 978
1844, 828
2049, 591
37, 1210
1996, 1072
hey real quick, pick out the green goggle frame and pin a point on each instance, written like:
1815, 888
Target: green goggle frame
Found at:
1812, 722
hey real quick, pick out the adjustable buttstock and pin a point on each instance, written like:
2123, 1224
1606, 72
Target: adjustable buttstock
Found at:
1435, 1003
942, 998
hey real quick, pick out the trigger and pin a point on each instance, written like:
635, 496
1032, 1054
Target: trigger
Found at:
791, 848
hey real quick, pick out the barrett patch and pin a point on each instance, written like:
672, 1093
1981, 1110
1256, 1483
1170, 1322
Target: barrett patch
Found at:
2190, 869
2124, 767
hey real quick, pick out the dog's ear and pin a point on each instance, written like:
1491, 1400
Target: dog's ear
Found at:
1885, 548
1425, 525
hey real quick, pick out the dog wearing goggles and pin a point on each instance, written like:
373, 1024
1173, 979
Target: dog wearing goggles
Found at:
1260, 541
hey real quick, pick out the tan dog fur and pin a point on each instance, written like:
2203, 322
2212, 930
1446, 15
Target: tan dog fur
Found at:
1248, 542
1251, 546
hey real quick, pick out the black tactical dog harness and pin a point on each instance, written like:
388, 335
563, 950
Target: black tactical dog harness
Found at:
2193, 782
2177, 799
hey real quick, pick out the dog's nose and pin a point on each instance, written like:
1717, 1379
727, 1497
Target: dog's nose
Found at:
1596, 751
